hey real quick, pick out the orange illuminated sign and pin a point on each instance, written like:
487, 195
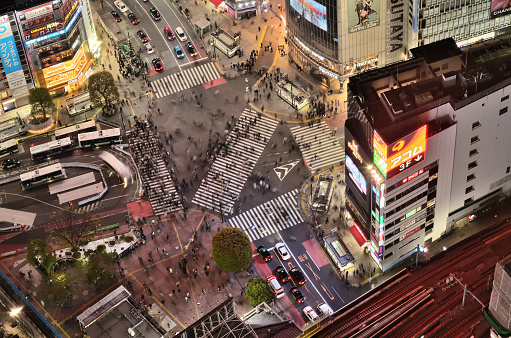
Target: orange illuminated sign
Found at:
400, 155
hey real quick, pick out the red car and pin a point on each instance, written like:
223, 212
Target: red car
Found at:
168, 33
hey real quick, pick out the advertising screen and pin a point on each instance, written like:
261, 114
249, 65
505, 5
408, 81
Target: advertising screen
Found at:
363, 14
311, 11
400, 155
499, 8
11, 60
356, 175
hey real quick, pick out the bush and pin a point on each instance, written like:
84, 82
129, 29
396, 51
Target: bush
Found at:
101, 248
231, 249
128, 239
258, 292
77, 255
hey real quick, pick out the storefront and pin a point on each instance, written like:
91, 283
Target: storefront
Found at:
243, 9
338, 253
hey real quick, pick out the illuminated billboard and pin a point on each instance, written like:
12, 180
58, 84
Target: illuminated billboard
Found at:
499, 8
363, 14
400, 155
356, 175
311, 11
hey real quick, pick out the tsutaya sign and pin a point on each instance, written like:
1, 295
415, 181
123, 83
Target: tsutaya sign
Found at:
395, 31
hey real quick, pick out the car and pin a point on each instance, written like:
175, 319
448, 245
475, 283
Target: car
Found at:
121, 6
281, 250
325, 309
10, 163
149, 48
134, 20
297, 276
143, 36
180, 34
310, 313
297, 295
116, 16
168, 33
155, 14
274, 285
191, 49
282, 274
158, 64
264, 253
179, 52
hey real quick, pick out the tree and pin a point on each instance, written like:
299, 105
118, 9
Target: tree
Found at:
258, 292
39, 253
231, 249
41, 100
101, 269
72, 227
102, 89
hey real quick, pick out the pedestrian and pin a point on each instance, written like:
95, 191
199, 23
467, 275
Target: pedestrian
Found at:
259, 28
162, 301
173, 291
177, 285
203, 291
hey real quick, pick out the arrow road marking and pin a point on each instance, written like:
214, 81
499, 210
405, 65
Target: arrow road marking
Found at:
282, 171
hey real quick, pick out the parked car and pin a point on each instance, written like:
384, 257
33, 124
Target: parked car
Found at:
121, 6
134, 20
297, 276
264, 253
310, 313
181, 34
10, 163
158, 64
116, 16
149, 48
179, 52
282, 274
191, 49
275, 286
168, 33
325, 309
155, 14
282, 251
143, 36
297, 295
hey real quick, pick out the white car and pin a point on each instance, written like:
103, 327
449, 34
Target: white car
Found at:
149, 48
180, 34
310, 313
275, 286
121, 6
281, 250
325, 309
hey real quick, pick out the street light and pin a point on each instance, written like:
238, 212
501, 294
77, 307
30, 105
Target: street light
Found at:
16, 311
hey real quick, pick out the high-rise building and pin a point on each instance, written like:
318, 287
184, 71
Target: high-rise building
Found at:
333, 39
427, 146
498, 312
51, 45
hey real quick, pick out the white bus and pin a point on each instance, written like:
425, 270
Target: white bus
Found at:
100, 137
42, 175
12, 126
75, 129
8, 147
49, 149
79, 104
122, 170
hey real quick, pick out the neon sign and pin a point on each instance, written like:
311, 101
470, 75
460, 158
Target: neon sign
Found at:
356, 175
354, 148
42, 38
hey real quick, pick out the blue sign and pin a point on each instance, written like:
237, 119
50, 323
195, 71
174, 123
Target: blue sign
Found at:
8, 52
42, 38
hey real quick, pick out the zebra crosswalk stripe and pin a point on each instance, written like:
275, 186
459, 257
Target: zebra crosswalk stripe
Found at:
230, 171
89, 207
319, 147
270, 217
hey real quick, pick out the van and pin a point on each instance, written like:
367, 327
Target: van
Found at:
325, 309
180, 34
310, 313
275, 287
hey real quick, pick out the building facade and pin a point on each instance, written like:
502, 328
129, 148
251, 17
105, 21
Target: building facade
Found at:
244, 9
420, 146
333, 40
55, 42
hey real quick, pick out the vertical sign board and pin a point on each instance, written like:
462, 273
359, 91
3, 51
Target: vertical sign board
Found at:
90, 30
11, 60
396, 34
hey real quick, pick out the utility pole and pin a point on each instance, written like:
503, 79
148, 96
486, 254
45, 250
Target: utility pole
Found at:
465, 291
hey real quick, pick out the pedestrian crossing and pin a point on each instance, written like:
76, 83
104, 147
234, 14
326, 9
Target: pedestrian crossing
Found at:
89, 207
319, 147
156, 178
185, 79
268, 218
232, 167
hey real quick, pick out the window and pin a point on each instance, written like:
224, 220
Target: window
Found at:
469, 189
445, 66
388, 255
471, 177
472, 165
473, 152
469, 200
503, 111
504, 98
508, 169
476, 124
475, 139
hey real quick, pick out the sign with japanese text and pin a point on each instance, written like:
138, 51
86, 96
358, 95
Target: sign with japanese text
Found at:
38, 11
40, 20
45, 30
10, 59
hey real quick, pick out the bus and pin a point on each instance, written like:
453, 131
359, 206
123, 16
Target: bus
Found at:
122, 170
8, 147
79, 104
100, 137
42, 175
50, 149
75, 129
12, 126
